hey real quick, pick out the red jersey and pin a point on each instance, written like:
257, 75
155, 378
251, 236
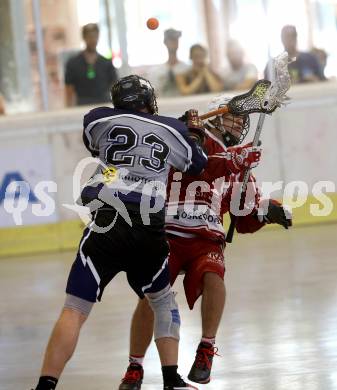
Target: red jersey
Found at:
196, 205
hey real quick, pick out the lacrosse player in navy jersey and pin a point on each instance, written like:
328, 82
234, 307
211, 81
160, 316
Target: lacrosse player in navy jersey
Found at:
139, 147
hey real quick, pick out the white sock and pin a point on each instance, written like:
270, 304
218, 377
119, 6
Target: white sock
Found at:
208, 340
136, 359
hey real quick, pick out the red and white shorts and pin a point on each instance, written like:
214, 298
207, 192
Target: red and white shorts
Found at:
195, 256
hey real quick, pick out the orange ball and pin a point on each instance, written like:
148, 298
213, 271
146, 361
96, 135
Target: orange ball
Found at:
152, 23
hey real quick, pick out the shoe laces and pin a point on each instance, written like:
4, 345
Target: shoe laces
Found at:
205, 355
132, 375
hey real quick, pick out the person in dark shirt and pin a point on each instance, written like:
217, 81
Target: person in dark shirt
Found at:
89, 76
322, 57
306, 67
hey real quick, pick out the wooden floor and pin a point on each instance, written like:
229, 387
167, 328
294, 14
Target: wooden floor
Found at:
279, 330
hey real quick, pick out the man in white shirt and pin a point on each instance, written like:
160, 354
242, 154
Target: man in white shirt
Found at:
241, 75
163, 76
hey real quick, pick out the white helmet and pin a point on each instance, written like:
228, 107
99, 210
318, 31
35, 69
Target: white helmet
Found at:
218, 102
217, 122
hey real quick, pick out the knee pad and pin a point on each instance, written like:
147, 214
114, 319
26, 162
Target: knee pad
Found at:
78, 304
166, 314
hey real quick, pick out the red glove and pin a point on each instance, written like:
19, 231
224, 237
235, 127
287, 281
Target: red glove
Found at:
193, 120
244, 157
195, 125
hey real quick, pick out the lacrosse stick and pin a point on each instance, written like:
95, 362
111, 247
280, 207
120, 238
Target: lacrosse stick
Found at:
247, 103
274, 97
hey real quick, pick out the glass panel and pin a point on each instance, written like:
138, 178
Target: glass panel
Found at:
145, 47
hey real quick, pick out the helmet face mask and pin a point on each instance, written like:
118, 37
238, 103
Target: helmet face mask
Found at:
231, 136
225, 124
134, 93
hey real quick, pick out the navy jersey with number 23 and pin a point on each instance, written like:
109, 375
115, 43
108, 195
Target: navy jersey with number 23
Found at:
142, 148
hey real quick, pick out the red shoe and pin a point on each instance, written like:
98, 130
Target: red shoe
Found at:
202, 366
133, 378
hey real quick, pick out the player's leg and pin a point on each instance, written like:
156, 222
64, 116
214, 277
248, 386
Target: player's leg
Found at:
64, 338
142, 329
166, 318
63, 341
86, 283
168, 346
212, 305
166, 335
81, 294
166, 324
140, 338
205, 277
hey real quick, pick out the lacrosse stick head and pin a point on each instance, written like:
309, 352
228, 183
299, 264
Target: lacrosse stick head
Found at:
265, 96
251, 101
280, 81
224, 122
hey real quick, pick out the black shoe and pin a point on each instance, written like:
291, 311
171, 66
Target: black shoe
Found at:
202, 366
179, 384
133, 378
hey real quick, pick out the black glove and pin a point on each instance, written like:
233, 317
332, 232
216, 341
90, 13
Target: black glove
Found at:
183, 118
277, 214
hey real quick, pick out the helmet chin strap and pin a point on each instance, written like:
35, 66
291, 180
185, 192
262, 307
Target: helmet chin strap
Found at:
229, 139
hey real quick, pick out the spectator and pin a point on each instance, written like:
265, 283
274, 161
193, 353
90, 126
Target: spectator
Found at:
322, 57
306, 67
200, 78
164, 76
241, 75
2, 105
89, 76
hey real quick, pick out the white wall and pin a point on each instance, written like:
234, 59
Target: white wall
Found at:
299, 143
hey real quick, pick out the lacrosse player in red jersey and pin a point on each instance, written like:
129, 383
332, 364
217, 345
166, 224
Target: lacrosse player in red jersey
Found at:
194, 226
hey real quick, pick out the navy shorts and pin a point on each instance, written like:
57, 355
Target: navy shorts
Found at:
139, 250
